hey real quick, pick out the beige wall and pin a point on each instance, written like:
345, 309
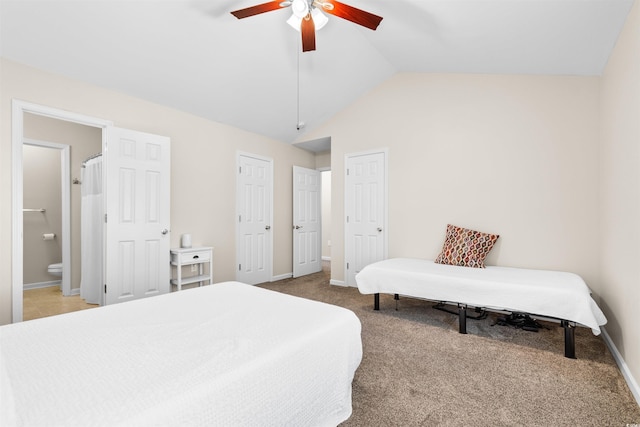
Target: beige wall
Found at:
513, 155
83, 141
41, 189
620, 192
202, 166
323, 160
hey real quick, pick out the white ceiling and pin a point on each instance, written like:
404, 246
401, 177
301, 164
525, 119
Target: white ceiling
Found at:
195, 56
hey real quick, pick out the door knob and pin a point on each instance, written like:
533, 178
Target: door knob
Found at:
298, 227
164, 231
267, 227
379, 229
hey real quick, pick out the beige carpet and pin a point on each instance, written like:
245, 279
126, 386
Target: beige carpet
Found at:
417, 370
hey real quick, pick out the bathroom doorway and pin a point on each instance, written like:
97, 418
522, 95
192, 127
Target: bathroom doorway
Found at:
45, 210
22, 113
51, 238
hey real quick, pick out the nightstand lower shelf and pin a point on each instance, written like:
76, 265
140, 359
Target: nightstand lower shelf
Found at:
193, 279
199, 258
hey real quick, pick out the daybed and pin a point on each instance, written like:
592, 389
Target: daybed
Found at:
220, 355
556, 295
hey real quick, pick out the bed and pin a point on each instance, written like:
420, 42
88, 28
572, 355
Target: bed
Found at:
219, 355
551, 294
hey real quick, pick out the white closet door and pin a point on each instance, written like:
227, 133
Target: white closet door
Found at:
254, 202
366, 209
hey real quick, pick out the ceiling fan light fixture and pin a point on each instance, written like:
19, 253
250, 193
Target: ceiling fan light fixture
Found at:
300, 8
319, 19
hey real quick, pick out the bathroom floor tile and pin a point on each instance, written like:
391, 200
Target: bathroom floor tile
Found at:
49, 301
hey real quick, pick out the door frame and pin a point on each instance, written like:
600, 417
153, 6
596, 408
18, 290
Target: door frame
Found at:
239, 259
18, 109
385, 221
65, 162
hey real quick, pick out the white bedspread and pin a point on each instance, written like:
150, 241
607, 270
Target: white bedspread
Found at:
554, 294
229, 354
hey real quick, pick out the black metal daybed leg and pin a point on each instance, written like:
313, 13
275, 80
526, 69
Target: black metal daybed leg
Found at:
462, 318
569, 339
376, 301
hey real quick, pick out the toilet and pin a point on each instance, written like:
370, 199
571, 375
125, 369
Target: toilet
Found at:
55, 269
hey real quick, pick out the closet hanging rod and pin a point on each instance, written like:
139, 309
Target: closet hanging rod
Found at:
35, 210
90, 158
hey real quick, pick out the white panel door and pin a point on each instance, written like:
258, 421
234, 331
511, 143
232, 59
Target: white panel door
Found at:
307, 231
137, 234
254, 206
365, 208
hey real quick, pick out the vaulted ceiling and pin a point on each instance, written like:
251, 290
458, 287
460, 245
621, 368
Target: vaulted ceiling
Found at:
195, 56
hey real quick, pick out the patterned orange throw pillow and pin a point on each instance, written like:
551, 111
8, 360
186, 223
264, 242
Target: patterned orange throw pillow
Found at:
466, 248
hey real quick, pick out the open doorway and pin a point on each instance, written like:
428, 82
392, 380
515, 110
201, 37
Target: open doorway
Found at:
326, 219
48, 185
23, 128
45, 214
321, 148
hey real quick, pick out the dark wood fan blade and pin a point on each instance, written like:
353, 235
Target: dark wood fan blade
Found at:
258, 9
308, 31
352, 14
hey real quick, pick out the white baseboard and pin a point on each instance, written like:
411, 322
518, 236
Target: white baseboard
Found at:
40, 285
337, 283
281, 276
622, 365
326, 258
75, 291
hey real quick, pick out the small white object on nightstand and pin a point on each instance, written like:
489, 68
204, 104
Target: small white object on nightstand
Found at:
198, 257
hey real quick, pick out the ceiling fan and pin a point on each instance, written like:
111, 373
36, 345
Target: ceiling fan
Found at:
307, 16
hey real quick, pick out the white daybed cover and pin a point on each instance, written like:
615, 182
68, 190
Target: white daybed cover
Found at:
228, 354
554, 294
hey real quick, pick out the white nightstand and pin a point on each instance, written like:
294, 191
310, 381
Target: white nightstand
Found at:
197, 257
